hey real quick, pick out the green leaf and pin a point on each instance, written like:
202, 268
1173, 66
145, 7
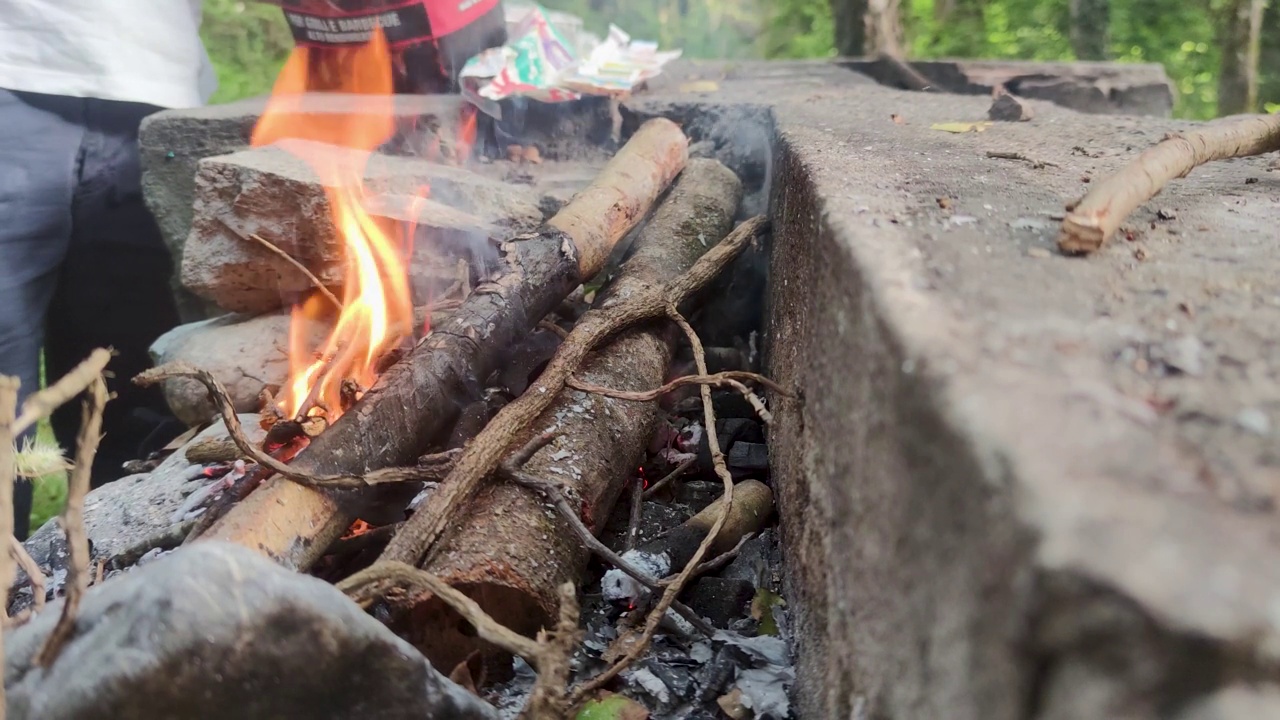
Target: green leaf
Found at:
613, 707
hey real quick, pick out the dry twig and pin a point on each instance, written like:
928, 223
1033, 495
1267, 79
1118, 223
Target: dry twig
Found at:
35, 576
485, 452
731, 378
679, 470
39, 405
548, 700
669, 594
373, 583
72, 521
1101, 212
275, 250
1037, 164
225, 408
8, 411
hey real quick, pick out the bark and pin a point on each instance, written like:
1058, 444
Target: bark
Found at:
415, 403
884, 28
1091, 29
851, 29
1240, 35
510, 554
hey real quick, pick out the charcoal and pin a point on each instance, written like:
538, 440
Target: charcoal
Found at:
655, 519
755, 557
215, 630
720, 600
748, 456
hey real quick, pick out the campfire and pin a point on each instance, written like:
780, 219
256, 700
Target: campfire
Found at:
496, 444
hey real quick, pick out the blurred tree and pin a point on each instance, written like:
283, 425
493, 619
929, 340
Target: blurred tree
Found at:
1091, 29
1240, 37
850, 20
247, 43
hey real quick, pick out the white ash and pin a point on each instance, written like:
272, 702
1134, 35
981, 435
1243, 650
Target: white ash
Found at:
651, 683
422, 496
618, 586
764, 690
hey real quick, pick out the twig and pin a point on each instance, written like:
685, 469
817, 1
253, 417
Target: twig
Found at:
1101, 212
72, 521
35, 576
553, 494
39, 405
548, 700
227, 410
731, 378
553, 328
669, 477
669, 594
273, 248
8, 411
637, 513
1037, 164
485, 452
373, 582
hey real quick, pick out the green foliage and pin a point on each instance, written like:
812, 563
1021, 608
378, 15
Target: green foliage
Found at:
247, 42
49, 492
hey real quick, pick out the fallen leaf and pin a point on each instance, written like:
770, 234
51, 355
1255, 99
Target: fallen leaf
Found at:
731, 705
961, 127
613, 707
465, 672
898, 119
700, 86
944, 203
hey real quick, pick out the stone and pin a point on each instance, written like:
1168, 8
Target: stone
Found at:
273, 192
1007, 108
986, 508
215, 630
172, 142
130, 517
246, 353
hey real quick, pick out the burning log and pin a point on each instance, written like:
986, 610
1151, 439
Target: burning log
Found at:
599, 441
416, 401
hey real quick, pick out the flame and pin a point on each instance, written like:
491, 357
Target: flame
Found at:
377, 312
466, 137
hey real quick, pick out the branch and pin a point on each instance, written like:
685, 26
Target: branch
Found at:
1104, 209
35, 576
486, 451
8, 411
669, 594
732, 378
72, 522
41, 404
227, 410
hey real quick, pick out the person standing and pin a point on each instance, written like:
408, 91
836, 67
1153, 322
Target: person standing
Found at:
82, 262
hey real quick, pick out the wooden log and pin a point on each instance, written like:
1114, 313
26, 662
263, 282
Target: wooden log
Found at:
510, 553
415, 403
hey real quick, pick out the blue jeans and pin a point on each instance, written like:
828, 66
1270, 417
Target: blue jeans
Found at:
82, 263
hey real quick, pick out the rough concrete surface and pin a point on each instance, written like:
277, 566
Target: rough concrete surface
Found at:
217, 631
1015, 484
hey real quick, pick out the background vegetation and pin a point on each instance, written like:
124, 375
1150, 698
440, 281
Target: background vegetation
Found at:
1208, 47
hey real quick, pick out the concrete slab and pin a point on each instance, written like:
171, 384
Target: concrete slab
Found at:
1019, 485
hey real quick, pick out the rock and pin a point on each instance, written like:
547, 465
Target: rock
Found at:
246, 353
130, 517
1236, 702
215, 630
172, 142
1007, 108
273, 192
748, 456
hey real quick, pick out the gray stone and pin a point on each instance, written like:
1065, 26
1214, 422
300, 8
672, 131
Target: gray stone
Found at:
215, 631
988, 506
172, 143
273, 192
130, 517
1237, 702
246, 353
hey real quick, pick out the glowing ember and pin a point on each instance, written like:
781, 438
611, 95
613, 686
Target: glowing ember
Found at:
377, 312
358, 528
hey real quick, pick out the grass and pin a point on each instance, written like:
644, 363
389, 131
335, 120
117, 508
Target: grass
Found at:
49, 491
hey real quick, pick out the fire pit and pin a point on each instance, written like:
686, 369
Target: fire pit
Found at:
937, 509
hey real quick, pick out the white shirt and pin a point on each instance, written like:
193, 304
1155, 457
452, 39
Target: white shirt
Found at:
146, 51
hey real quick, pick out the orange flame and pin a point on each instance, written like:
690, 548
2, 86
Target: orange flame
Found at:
377, 312
466, 137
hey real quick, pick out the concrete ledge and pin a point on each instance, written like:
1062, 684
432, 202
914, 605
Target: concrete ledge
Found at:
1016, 485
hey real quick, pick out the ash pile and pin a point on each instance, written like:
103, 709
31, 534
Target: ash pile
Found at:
511, 499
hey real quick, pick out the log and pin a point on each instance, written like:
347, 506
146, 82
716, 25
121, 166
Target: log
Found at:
414, 404
510, 553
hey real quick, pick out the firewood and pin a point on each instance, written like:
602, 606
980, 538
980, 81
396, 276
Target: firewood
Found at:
509, 553
416, 401
1104, 209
